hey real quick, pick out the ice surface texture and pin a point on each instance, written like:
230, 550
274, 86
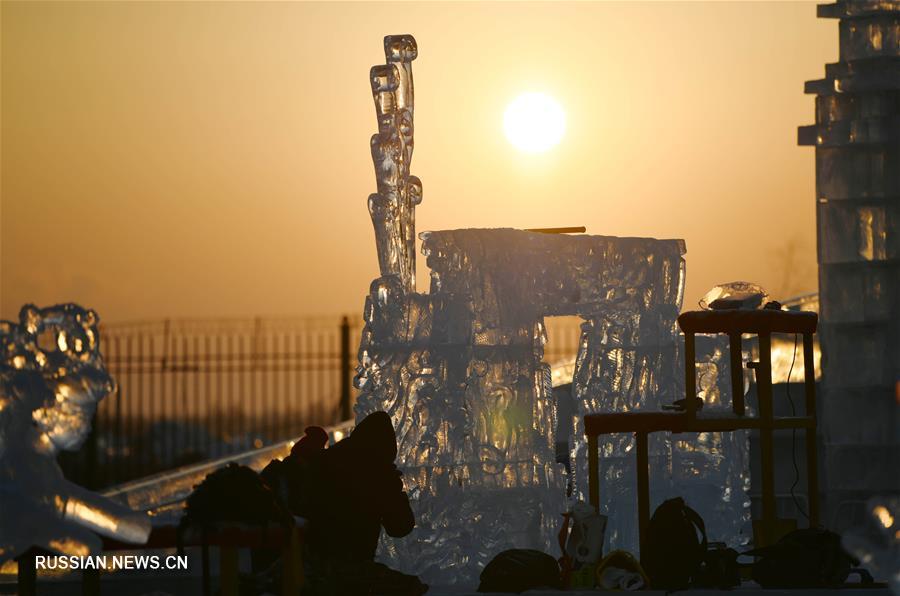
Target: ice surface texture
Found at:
51, 378
711, 471
474, 425
628, 290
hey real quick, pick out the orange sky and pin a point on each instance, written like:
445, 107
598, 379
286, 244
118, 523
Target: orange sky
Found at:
212, 159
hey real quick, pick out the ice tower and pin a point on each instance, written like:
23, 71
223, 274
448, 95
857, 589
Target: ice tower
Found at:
857, 141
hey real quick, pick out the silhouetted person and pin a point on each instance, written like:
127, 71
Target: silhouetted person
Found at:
353, 490
286, 476
314, 439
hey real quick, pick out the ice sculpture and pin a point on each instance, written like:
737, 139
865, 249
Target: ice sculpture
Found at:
735, 294
51, 378
460, 370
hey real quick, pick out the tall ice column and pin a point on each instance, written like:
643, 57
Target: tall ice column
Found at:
393, 207
857, 141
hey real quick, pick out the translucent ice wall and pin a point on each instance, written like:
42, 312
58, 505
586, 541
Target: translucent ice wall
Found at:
461, 373
474, 424
628, 361
712, 470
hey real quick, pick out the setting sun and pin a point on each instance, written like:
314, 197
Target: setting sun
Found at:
534, 122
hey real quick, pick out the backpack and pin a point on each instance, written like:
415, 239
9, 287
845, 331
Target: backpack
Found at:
673, 552
720, 569
232, 494
520, 569
807, 558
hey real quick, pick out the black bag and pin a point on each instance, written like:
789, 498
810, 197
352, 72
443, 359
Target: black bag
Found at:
232, 494
518, 569
808, 558
673, 552
720, 569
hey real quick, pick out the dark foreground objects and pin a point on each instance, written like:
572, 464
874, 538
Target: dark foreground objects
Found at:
232, 495
229, 498
350, 492
808, 558
286, 476
520, 569
676, 545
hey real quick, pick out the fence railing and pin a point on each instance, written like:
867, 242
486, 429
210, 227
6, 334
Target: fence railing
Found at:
191, 390
194, 390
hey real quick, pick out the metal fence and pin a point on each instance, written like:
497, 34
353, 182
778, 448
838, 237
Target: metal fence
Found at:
191, 390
